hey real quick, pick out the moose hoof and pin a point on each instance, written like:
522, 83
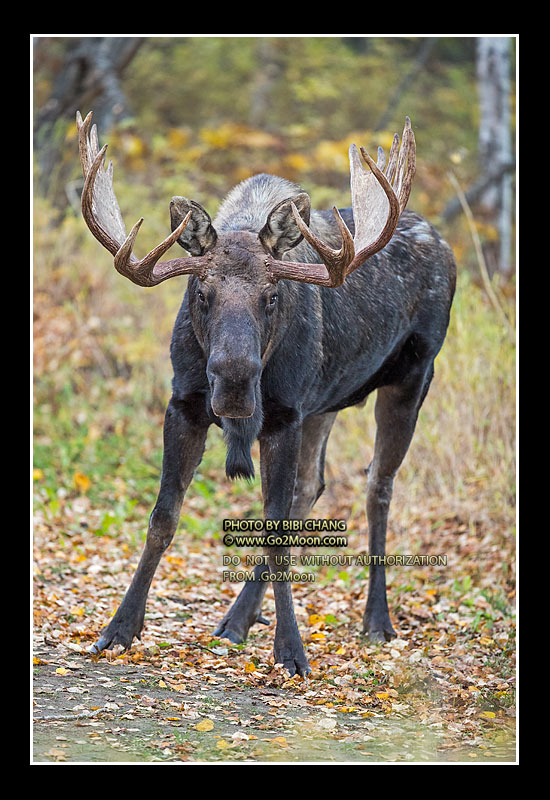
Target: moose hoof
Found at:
378, 627
235, 627
378, 634
379, 637
227, 633
293, 658
119, 633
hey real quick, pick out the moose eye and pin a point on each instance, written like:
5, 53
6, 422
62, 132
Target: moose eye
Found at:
271, 302
201, 296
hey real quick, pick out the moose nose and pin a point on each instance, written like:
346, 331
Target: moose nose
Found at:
233, 369
233, 385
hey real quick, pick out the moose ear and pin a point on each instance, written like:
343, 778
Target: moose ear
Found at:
280, 233
200, 234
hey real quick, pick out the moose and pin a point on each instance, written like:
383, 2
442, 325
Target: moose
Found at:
290, 315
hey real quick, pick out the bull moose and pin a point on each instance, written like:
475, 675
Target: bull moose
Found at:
289, 316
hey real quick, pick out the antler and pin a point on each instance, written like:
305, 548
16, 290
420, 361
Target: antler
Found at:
378, 195
102, 216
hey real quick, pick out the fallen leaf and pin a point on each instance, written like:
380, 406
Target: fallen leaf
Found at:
221, 744
81, 482
205, 725
239, 735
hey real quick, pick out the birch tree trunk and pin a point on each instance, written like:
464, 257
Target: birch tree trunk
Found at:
495, 146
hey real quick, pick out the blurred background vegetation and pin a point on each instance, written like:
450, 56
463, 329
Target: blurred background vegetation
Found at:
194, 115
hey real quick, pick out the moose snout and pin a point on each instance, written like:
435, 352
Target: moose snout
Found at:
233, 384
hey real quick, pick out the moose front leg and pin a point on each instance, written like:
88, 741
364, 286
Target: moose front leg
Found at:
279, 453
185, 428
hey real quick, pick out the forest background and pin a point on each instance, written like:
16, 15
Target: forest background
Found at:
193, 116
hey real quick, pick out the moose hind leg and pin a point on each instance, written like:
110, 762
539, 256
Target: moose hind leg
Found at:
184, 438
396, 411
310, 481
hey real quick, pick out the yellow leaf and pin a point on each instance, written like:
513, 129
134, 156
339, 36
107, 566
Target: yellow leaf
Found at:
331, 155
205, 725
382, 695
36, 660
173, 719
488, 714
161, 684
318, 635
256, 138
341, 651
177, 138
297, 161
221, 744
220, 137
250, 666
133, 145
315, 619
81, 482
62, 671
37, 474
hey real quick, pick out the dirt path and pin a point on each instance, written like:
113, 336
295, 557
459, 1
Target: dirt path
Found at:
100, 711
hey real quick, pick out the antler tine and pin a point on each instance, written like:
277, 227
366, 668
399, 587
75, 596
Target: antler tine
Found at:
392, 159
336, 261
101, 213
407, 155
379, 192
